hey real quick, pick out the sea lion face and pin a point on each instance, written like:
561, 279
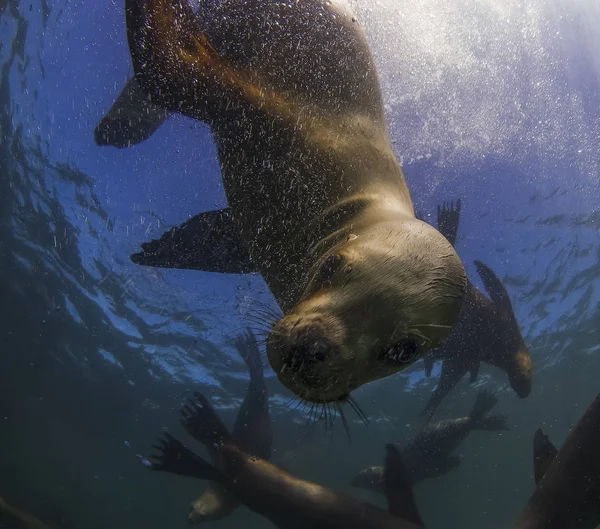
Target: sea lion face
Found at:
373, 305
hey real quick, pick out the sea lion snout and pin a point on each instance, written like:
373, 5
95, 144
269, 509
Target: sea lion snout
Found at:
305, 351
310, 346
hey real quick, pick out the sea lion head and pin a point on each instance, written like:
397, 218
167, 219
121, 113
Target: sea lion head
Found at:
374, 303
520, 371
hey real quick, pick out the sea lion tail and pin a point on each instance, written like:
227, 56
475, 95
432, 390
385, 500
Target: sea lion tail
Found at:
398, 487
484, 402
201, 421
175, 458
494, 423
543, 454
247, 346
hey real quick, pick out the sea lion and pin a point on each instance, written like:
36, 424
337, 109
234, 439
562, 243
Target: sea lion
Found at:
252, 432
428, 455
312, 183
487, 331
19, 518
567, 495
286, 500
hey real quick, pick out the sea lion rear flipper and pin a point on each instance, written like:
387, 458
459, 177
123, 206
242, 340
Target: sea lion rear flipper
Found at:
448, 217
494, 287
252, 429
484, 402
474, 372
201, 421
247, 346
209, 241
428, 362
131, 119
543, 454
398, 487
175, 458
452, 371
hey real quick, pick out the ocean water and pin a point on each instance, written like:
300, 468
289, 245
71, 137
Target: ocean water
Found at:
491, 102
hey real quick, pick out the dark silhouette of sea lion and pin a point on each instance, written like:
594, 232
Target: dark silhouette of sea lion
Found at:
567, 495
429, 453
252, 431
486, 331
314, 188
287, 501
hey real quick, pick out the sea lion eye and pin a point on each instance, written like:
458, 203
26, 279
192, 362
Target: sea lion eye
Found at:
329, 267
402, 352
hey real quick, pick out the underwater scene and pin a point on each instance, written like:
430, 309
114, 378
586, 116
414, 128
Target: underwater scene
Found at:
300, 264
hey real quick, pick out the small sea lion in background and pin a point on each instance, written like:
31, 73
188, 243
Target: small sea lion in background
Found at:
428, 454
19, 518
567, 495
487, 331
252, 432
313, 186
287, 501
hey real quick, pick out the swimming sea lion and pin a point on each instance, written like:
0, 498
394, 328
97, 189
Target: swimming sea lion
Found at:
252, 432
568, 493
487, 331
21, 519
428, 455
287, 501
292, 97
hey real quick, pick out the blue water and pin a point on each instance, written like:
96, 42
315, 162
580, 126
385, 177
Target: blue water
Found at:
495, 103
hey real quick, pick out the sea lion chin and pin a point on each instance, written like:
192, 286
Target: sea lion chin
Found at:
374, 305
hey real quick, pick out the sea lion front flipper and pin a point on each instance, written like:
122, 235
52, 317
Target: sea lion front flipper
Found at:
494, 287
209, 241
543, 454
175, 458
252, 429
398, 487
448, 217
131, 119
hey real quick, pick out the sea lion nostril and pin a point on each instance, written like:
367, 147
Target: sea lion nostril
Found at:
306, 353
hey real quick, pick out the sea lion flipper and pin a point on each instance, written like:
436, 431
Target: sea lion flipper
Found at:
131, 119
543, 454
247, 346
252, 429
209, 241
484, 402
173, 457
398, 487
474, 372
201, 421
452, 371
494, 287
448, 216
428, 362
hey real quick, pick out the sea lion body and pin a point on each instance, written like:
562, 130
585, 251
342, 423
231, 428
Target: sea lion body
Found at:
429, 453
568, 494
287, 501
293, 100
486, 331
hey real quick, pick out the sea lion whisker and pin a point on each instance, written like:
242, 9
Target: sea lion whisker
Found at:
358, 410
436, 326
340, 410
274, 310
